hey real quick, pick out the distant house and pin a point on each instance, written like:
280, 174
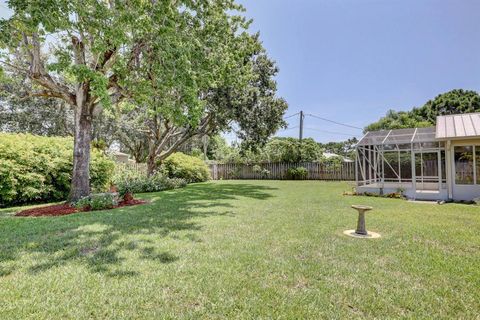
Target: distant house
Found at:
435, 163
329, 155
121, 157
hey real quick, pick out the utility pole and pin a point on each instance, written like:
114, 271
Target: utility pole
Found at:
300, 134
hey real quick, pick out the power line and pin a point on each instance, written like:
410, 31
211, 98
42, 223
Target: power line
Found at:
332, 121
331, 132
289, 128
293, 115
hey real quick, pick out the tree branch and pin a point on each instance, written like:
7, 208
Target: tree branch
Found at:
187, 134
38, 74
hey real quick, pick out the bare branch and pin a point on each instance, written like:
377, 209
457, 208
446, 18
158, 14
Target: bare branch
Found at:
45, 93
17, 68
187, 133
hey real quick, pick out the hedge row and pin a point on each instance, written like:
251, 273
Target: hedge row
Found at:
182, 166
34, 168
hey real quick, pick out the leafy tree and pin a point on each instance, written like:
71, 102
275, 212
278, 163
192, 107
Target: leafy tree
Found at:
342, 148
279, 149
131, 132
21, 113
244, 98
291, 150
156, 53
218, 148
453, 102
457, 101
399, 120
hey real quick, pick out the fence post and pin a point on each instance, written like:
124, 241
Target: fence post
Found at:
277, 170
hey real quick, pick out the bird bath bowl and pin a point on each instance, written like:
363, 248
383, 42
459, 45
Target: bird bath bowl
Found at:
361, 231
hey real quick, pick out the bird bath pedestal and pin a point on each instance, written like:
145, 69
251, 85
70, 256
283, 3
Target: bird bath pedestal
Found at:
361, 219
361, 231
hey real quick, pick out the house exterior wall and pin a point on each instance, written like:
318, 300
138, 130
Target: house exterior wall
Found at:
461, 191
409, 191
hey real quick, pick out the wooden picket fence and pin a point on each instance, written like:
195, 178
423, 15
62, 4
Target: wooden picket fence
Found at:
140, 168
278, 171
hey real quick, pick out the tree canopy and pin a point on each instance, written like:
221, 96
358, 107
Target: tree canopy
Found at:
342, 148
188, 67
282, 149
246, 102
457, 101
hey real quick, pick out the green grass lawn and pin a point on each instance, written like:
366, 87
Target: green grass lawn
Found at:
243, 249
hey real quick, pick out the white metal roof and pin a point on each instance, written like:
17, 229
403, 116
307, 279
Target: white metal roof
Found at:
458, 126
398, 136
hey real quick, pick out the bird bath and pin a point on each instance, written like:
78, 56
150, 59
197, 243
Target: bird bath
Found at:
361, 231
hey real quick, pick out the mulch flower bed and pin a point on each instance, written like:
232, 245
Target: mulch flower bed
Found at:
65, 208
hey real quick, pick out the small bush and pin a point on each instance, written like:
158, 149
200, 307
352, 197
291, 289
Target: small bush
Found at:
183, 166
299, 173
35, 168
97, 201
259, 170
134, 182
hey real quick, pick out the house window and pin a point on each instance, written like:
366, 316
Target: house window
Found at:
464, 165
477, 163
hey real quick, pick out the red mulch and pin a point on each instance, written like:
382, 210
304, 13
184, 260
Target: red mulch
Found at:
130, 202
54, 210
65, 208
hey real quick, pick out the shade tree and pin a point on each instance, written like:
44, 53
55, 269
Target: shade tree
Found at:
235, 90
456, 101
95, 54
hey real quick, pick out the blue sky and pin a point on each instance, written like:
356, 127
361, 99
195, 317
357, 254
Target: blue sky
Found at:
352, 60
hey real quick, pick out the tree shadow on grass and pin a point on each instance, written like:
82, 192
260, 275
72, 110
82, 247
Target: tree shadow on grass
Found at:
97, 239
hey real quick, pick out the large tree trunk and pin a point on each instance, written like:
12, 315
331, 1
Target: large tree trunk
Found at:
151, 160
81, 152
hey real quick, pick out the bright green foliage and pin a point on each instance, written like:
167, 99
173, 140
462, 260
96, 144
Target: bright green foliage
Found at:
299, 173
246, 101
218, 148
453, 102
34, 168
134, 182
287, 150
22, 113
292, 150
259, 170
97, 201
255, 108
284, 150
180, 165
399, 120
342, 148
166, 57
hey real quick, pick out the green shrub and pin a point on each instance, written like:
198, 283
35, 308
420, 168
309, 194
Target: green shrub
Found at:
259, 170
299, 173
35, 168
98, 201
134, 182
180, 165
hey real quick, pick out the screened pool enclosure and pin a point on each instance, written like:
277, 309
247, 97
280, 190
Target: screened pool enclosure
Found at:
436, 163
408, 160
